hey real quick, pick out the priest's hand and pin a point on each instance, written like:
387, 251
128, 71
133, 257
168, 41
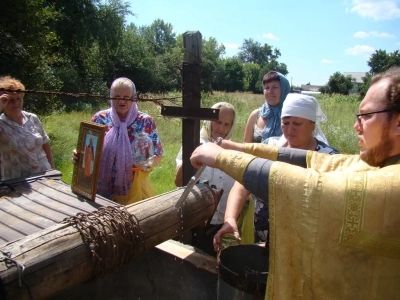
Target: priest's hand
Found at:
230, 226
205, 154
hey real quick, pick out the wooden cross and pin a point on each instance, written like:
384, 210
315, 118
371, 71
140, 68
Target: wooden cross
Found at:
191, 111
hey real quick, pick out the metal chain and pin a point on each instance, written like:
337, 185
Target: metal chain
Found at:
113, 236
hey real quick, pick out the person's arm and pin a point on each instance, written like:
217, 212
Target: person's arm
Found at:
49, 155
249, 128
234, 164
292, 156
236, 199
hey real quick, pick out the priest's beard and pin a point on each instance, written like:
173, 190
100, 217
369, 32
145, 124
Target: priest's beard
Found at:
379, 154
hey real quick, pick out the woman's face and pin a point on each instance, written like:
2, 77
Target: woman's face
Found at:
221, 127
14, 105
272, 92
297, 131
122, 106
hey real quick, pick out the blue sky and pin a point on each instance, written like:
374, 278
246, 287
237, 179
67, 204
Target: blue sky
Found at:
316, 38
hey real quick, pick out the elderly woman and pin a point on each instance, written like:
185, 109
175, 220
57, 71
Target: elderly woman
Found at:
24, 144
299, 121
210, 131
124, 124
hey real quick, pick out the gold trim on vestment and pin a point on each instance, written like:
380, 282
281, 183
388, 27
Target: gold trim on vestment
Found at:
262, 150
271, 214
352, 234
234, 163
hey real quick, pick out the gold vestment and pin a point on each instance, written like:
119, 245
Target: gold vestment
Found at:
334, 226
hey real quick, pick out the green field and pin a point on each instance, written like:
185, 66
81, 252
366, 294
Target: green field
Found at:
63, 130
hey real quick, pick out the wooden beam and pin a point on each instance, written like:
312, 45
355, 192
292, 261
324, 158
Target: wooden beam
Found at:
191, 95
56, 258
190, 113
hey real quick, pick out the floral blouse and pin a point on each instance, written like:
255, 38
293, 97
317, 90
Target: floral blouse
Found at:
21, 147
142, 123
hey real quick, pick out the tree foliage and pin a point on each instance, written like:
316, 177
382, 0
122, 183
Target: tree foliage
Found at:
338, 84
81, 46
381, 61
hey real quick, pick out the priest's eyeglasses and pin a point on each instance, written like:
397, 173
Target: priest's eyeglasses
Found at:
369, 115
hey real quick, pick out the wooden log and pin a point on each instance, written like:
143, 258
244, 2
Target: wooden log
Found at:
191, 94
56, 258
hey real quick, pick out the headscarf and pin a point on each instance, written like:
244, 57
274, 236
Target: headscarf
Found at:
273, 113
205, 131
306, 107
117, 150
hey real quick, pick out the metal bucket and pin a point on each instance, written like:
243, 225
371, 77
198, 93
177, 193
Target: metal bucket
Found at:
243, 272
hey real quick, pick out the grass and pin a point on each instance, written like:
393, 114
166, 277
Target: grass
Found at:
63, 130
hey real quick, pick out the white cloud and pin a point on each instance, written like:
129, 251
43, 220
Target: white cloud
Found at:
360, 50
231, 46
375, 9
270, 36
327, 61
363, 34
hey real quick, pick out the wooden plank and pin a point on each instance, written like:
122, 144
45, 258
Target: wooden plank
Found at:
7, 234
20, 225
201, 262
39, 203
23, 214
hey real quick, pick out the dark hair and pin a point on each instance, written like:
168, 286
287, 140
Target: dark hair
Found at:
392, 98
270, 76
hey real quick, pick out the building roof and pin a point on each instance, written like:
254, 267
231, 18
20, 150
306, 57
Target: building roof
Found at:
358, 76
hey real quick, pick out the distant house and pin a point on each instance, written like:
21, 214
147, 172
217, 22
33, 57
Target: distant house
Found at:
357, 80
310, 89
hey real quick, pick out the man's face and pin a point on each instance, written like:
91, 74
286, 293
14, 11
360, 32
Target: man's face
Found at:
376, 131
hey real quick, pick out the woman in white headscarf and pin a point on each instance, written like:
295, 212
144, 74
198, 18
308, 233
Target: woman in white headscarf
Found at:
299, 122
301, 115
210, 131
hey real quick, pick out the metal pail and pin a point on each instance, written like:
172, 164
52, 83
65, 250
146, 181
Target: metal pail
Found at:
243, 272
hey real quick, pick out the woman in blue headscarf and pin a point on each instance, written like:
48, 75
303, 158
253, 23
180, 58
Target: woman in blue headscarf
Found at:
263, 123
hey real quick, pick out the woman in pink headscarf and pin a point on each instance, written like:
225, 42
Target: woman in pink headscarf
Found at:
124, 123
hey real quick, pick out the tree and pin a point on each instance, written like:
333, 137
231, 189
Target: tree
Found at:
233, 75
159, 35
212, 65
363, 88
252, 77
380, 61
263, 55
339, 84
253, 52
